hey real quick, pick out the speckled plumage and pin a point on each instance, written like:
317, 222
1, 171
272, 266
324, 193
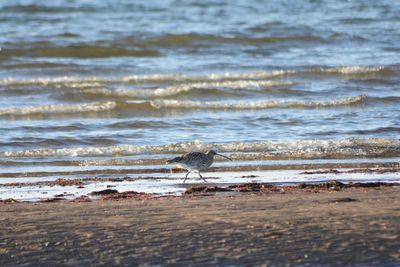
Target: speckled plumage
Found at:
195, 161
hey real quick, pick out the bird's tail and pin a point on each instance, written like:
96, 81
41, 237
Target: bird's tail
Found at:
174, 160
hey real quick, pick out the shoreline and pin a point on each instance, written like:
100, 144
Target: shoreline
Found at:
110, 192
53, 188
299, 227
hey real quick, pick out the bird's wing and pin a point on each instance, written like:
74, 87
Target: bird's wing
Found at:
177, 159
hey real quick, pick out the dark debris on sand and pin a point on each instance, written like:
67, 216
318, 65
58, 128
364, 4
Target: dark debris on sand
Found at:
336, 185
112, 194
250, 187
206, 189
362, 170
342, 200
82, 198
254, 187
8, 201
104, 192
59, 182
268, 188
54, 199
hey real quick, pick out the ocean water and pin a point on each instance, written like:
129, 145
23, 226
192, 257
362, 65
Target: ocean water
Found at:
114, 88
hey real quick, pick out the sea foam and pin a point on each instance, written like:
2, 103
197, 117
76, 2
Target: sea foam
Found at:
188, 104
57, 109
261, 74
301, 149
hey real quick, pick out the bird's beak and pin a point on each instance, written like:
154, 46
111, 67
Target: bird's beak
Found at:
224, 156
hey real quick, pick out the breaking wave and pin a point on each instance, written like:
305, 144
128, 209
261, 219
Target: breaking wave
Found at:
223, 77
59, 109
186, 87
146, 78
130, 106
172, 104
352, 70
304, 149
179, 104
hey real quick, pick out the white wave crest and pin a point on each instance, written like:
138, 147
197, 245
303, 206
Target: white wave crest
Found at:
175, 90
76, 80
145, 78
307, 149
107, 151
57, 109
350, 69
180, 104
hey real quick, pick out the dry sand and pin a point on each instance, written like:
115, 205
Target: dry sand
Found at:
349, 227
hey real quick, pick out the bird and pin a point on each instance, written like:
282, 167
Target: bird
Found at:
196, 161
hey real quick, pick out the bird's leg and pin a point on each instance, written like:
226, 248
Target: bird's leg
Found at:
202, 177
184, 180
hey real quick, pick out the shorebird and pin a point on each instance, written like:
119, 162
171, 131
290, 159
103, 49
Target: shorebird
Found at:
196, 161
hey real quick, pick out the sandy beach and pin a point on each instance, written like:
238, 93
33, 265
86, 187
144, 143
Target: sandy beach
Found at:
353, 226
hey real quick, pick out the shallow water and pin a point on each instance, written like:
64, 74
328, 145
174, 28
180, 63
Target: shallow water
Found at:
105, 88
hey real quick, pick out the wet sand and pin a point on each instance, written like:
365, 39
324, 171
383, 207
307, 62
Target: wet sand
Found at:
353, 226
